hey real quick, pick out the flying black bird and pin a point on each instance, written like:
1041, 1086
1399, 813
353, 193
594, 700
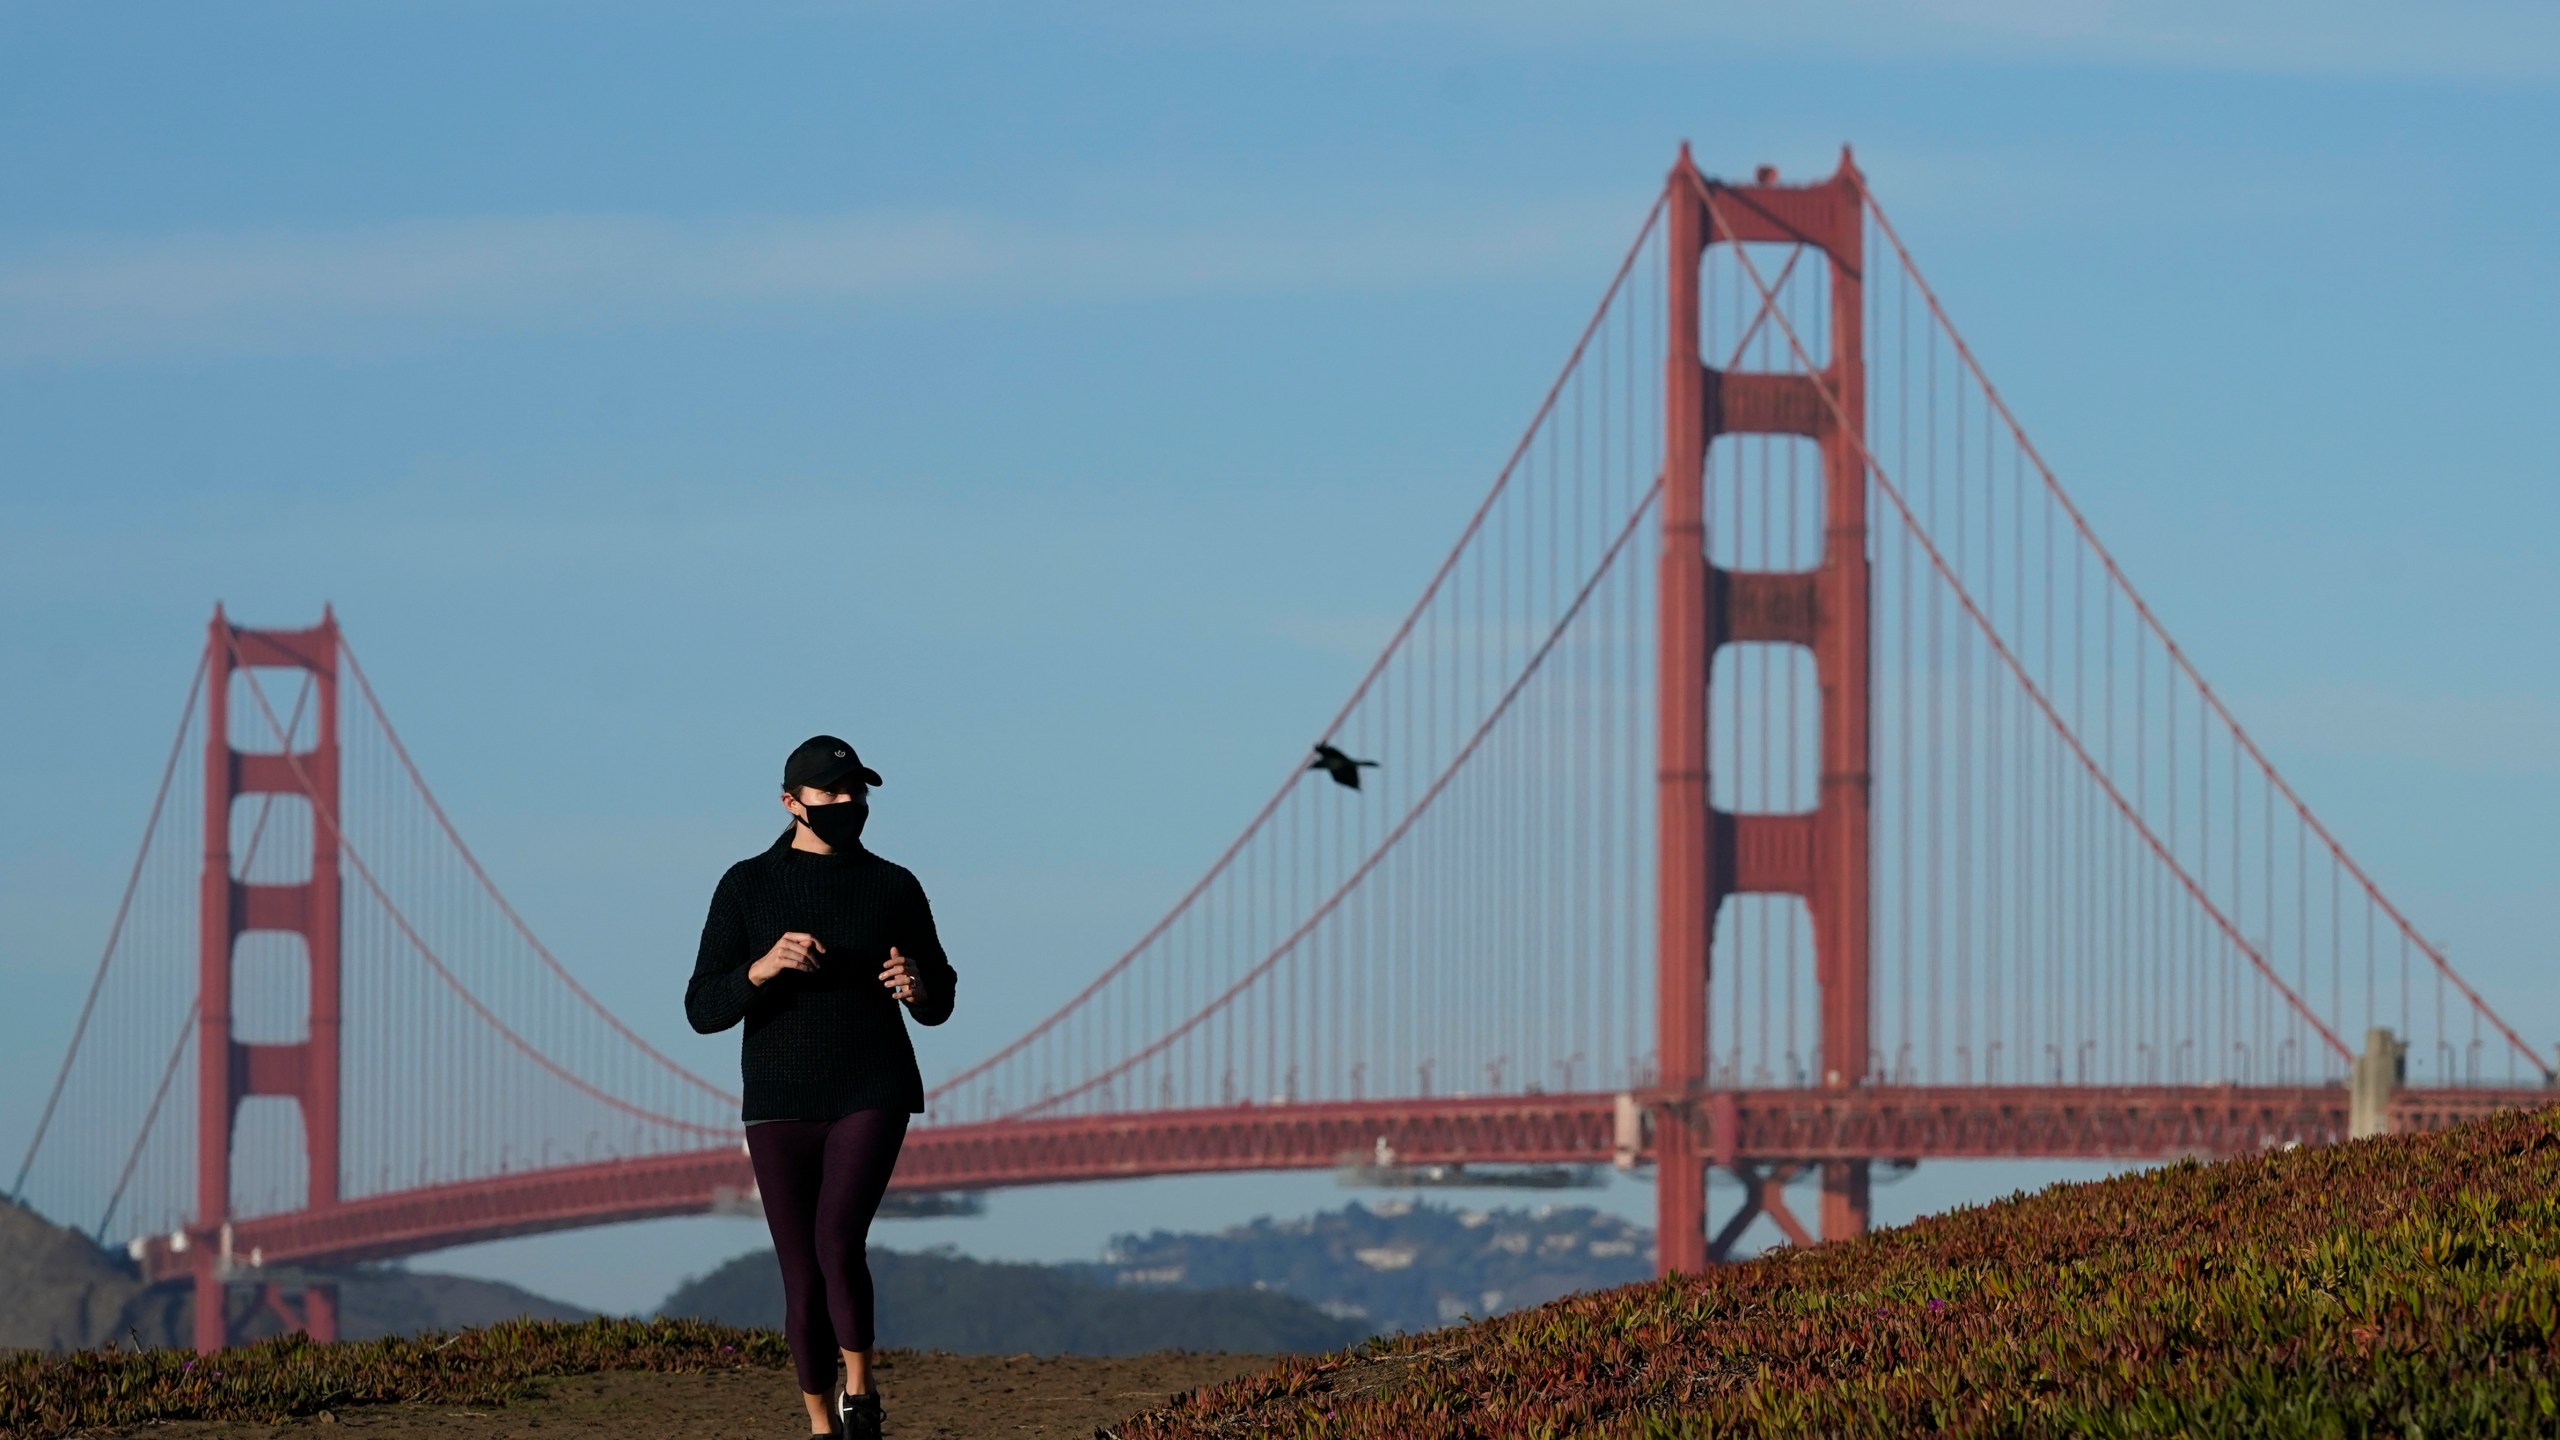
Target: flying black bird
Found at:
1343, 769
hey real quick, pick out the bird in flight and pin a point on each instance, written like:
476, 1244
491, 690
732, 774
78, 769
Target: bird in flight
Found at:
1343, 769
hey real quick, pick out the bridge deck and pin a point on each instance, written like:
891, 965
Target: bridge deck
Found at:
2016, 1122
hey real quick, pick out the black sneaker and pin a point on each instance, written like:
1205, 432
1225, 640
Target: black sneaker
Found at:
858, 1416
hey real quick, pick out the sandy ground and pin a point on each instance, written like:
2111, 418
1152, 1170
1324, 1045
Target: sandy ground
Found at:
928, 1397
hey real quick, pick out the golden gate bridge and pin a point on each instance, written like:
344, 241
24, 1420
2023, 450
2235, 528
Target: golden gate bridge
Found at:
1778, 777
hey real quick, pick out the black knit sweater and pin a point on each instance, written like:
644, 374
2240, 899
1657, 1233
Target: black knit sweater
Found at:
820, 1045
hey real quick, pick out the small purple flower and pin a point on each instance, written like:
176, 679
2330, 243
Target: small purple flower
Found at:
1937, 1305
190, 1365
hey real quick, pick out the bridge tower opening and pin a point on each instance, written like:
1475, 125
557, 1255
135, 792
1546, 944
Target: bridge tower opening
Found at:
232, 905
1708, 855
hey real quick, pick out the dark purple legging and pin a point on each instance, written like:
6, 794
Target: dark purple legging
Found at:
822, 1181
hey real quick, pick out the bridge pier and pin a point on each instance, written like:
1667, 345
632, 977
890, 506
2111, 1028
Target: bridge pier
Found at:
212, 1310
1764, 1192
1848, 1204
1844, 1213
308, 1306
1679, 1201
318, 1316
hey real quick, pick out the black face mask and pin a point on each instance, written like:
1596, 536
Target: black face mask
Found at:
840, 824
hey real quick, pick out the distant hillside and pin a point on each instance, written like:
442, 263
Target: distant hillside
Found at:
940, 1301
374, 1301
65, 1293
1397, 1265
1269, 1287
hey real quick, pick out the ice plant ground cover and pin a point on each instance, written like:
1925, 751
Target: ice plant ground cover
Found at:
2405, 1286
273, 1380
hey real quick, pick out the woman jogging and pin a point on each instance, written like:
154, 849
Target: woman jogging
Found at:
815, 944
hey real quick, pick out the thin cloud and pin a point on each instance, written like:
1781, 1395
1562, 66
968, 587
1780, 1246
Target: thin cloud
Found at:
2479, 40
399, 286
2474, 734
2482, 39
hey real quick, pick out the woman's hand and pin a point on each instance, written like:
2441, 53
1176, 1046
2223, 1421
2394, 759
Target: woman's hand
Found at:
901, 976
795, 951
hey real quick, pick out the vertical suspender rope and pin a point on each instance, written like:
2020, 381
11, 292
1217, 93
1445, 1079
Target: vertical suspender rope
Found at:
115, 931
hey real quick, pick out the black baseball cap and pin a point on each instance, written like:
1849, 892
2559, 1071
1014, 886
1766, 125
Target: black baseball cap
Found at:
823, 762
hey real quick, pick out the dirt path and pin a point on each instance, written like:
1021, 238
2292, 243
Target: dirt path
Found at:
929, 1397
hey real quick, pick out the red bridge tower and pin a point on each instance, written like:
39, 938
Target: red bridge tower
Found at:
229, 1070
1706, 854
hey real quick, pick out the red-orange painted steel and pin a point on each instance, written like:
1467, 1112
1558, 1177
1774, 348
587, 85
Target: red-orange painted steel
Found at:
1845, 663
1684, 909
1823, 857
1756, 1128
229, 1070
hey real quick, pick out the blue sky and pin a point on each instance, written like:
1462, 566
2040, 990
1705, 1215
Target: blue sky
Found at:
649, 385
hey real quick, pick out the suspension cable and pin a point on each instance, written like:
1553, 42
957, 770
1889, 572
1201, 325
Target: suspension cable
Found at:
2106, 558
115, 930
2017, 669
